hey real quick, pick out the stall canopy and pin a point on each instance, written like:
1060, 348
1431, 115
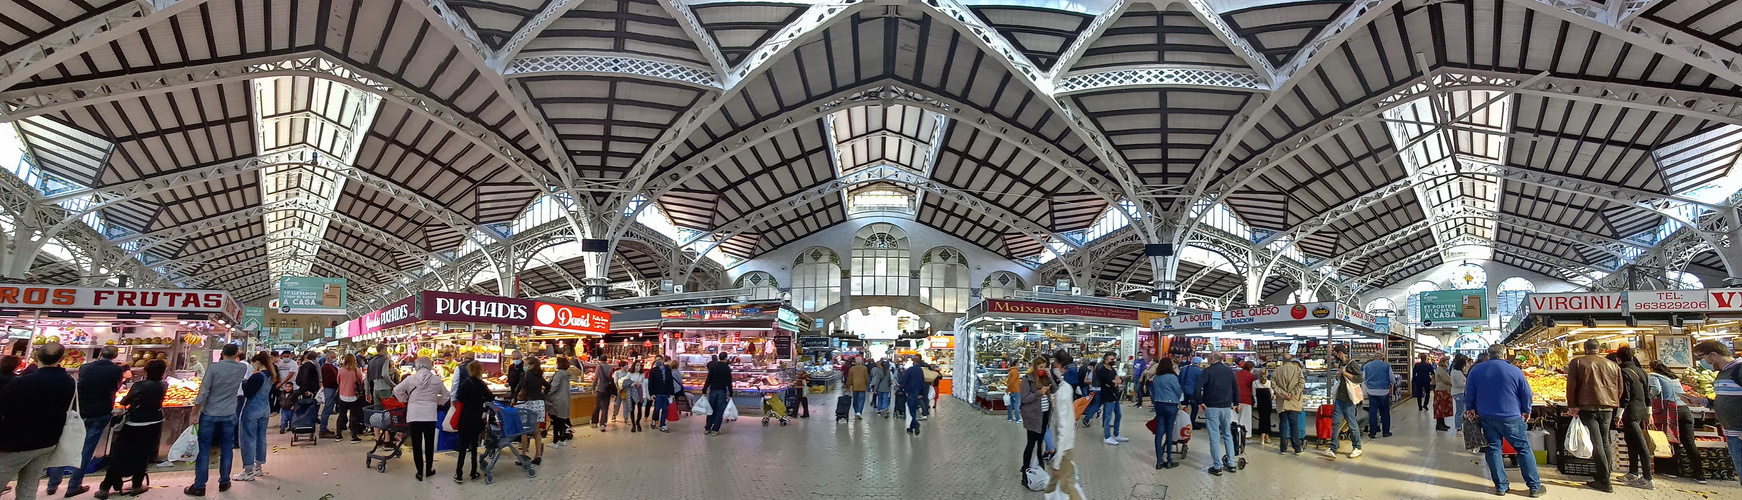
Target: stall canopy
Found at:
1272, 319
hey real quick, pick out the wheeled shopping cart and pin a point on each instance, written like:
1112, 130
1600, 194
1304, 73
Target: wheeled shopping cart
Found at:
774, 407
506, 424
390, 429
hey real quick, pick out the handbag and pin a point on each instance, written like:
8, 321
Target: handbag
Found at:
1153, 422
451, 421
68, 451
1659, 444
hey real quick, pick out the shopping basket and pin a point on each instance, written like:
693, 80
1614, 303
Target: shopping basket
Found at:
390, 428
504, 425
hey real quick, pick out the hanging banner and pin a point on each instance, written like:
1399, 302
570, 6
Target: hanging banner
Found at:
571, 319
253, 318
72, 298
1059, 310
1452, 307
444, 306
1574, 303
311, 295
402, 312
1266, 316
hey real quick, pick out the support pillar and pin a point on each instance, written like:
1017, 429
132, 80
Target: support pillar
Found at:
595, 289
1732, 254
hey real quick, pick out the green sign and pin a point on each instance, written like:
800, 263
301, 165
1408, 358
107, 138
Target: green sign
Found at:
309, 295
1454, 308
253, 318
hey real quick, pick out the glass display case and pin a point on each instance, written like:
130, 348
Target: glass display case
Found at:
1318, 390
748, 375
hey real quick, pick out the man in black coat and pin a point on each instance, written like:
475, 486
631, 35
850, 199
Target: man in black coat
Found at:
1421, 379
662, 385
98, 381
33, 411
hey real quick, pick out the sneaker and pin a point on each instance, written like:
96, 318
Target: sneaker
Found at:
1355, 454
1121, 438
194, 492
1111, 441
245, 475
1539, 491
1230, 468
1215, 472
1629, 479
1331, 453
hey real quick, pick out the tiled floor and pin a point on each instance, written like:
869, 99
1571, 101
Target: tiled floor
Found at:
961, 454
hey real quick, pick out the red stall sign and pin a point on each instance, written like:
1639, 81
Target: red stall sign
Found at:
570, 319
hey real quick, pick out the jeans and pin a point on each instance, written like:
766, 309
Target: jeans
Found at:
1599, 422
1094, 406
661, 404
717, 399
1638, 452
25, 467
467, 445
94, 428
1166, 415
1378, 415
284, 418
1034, 440
1735, 444
602, 410
1685, 425
881, 401
1291, 429
253, 433
223, 431
915, 402
1111, 416
1344, 412
1191, 404
1512, 431
858, 402
328, 397
1219, 422
1458, 411
1013, 411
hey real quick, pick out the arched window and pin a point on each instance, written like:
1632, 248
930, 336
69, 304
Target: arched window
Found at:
880, 261
1001, 285
1382, 307
943, 280
1509, 298
1414, 299
762, 285
1684, 281
816, 279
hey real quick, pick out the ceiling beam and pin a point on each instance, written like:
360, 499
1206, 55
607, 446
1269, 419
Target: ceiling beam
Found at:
1668, 42
121, 19
552, 11
545, 64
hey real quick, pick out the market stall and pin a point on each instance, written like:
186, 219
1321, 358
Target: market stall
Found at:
570, 330
996, 330
184, 328
1262, 333
757, 338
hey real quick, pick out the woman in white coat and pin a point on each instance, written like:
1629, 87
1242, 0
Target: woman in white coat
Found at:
422, 392
1064, 476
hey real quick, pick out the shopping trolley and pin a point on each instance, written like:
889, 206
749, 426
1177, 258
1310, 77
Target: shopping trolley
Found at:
504, 426
774, 407
390, 430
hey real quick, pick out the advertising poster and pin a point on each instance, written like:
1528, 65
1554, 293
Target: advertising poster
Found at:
311, 295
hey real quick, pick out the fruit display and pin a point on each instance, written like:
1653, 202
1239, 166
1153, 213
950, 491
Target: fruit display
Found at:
1700, 381
139, 358
73, 359
1556, 359
180, 393
148, 341
1546, 386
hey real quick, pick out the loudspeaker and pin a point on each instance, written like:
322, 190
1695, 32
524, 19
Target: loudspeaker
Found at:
1158, 250
596, 246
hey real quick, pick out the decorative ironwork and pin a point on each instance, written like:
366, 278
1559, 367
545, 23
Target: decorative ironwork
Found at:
1161, 76
611, 65
119, 20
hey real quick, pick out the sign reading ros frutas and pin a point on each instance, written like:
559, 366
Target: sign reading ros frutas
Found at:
571, 319
71, 298
444, 306
1063, 310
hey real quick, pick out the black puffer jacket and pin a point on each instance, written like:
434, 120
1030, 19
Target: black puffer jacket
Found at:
1635, 401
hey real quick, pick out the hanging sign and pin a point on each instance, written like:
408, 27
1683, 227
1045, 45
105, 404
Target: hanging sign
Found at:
253, 318
1673, 300
571, 319
311, 295
940, 342
402, 312
1061, 310
72, 298
1572, 303
1449, 307
444, 306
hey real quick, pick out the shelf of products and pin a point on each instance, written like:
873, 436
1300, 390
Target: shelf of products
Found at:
1546, 387
1318, 390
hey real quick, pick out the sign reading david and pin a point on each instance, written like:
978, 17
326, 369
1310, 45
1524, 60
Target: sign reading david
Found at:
571, 319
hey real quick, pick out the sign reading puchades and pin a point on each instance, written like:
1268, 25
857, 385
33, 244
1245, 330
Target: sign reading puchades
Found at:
571, 319
444, 306
403, 312
1059, 310
133, 300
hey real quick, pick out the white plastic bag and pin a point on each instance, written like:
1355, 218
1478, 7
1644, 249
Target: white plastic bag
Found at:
186, 446
701, 408
1578, 439
731, 411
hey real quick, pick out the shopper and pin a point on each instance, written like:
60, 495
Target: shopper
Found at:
1244, 378
1458, 374
1140, 370
329, 395
604, 388
635, 394
1289, 389
1035, 389
882, 379
1635, 407
718, 388
1165, 395
422, 392
859, 382
1347, 391
472, 396
802, 396
1499, 396
556, 404
1091, 388
1188, 380
135, 441
516, 371
1727, 387
1218, 390
1263, 405
1679, 420
662, 384
1063, 483
1421, 382
33, 412
382, 375
913, 378
256, 410
1593, 394
9, 369
98, 381
352, 399
1112, 386
1442, 396
216, 405
620, 413
286, 366
1377, 378
529, 400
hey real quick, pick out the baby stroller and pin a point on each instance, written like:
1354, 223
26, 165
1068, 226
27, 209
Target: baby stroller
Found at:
304, 422
773, 407
390, 429
504, 425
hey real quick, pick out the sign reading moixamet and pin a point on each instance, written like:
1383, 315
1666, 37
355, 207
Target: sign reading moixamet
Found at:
1453, 307
311, 295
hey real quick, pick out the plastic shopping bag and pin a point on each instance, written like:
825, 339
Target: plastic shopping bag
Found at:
186, 446
1579, 439
731, 411
702, 408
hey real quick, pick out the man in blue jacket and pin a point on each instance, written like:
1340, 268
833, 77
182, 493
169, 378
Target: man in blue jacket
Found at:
661, 384
1219, 390
914, 376
1499, 396
1377, 374
1188, 379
